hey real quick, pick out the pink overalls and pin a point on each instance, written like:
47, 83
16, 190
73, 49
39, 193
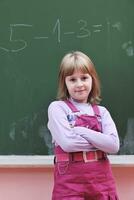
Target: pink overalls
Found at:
79, 176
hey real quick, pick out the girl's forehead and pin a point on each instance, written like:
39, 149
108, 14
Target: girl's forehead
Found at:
79, 71
74, 71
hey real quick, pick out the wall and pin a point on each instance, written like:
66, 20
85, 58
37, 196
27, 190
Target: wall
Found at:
32, 183
28, 184
125, 182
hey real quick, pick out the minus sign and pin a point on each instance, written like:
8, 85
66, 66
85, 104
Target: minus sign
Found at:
37, 38
97, 31
97, 25
67, 33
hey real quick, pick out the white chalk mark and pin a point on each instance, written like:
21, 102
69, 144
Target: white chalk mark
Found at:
25, 25
117, 26
84, 32
108, 34
128, 143
69, 33
95, 31
58, 27
97, 26
12, 131
24, 134
127, 46
130, 51
11, 39
124, 45
38, 38
108, 26
7, 50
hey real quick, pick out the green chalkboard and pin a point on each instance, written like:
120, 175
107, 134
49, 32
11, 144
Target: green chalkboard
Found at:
34, 36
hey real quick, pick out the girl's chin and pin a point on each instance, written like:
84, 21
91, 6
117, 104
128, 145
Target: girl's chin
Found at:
80, 100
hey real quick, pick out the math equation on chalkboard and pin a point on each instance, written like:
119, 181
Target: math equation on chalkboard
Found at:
84, 30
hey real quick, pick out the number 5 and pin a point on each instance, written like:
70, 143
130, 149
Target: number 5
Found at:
23, 42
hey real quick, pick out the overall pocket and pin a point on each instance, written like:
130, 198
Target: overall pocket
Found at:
62, 167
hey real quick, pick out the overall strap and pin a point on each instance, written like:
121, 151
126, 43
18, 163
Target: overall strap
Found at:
97, 114
74, 109
71, 106
96, 110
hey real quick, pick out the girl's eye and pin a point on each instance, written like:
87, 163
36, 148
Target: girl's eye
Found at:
84, 78
72, 79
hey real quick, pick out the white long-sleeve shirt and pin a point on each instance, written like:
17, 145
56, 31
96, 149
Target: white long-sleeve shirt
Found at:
73, 139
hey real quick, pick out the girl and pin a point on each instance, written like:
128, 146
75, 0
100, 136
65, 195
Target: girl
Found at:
83, 133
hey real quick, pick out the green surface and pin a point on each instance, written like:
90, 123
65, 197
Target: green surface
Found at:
34, 36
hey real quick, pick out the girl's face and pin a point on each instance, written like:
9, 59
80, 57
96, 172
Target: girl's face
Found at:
79, 86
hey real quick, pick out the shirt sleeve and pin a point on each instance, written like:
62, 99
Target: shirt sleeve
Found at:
108, 140
62, 134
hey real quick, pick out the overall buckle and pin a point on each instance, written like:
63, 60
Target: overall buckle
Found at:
90, 159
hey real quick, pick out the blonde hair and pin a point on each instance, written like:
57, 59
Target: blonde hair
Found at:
78, 61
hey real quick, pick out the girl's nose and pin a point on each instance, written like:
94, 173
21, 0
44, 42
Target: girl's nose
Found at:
79, 83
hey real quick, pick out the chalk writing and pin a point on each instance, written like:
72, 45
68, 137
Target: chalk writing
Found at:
18, 41
12, 131
129, 49
58, 27
96, 26
40, 37
69, 33
23, 42
128, 142
117, 26
26, 126
84, 30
